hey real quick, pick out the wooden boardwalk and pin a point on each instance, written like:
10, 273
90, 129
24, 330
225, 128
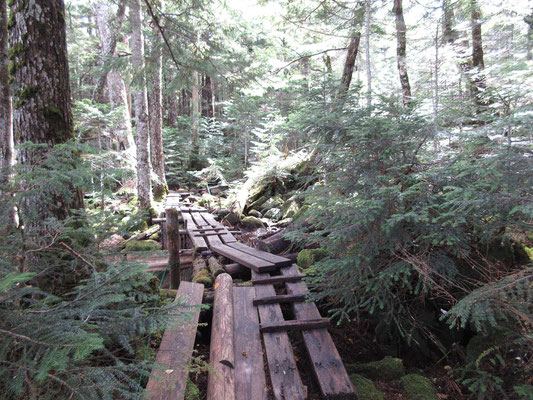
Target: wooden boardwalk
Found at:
257, 314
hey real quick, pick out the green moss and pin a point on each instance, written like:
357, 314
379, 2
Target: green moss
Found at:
156, 236
16, 50
259, 202
255, 213
366, 390
25, 94
203, 277
308, 257
160, 191
252, 222
418, 387
232, 218
389, 368
245, 284
290, 209
191, 391
300, 212
141, 245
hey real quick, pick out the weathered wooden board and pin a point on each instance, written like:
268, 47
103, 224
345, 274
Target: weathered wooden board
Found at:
271, 258
169, 379
278, 279
284, 375
250, 380
226, 236
198, 242
280, 298
325, 360
221, 380
254, 263
294, 325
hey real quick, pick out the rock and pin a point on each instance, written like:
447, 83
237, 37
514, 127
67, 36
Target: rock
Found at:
284, 222
308, 257
273, 213
252, 222
142, 245
256, 205
273, 202
366, 389
418, 387
300, 213
112, 242
232, 218
255, 213
387, 369
290, 209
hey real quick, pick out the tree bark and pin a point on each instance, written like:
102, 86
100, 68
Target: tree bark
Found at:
349, 64
401, 50
144, 191
155, 106
449, 34
529, 21
174, 245
195, 114
42, 109
118, 96
478, 63
208, 109
367, 51
7, 150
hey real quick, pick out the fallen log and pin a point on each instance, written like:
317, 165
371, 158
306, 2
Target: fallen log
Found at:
146, 234
200, 272
274, 244
221, 380
215, 266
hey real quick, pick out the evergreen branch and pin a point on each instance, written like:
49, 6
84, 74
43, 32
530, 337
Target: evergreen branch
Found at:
37, 342
78, 255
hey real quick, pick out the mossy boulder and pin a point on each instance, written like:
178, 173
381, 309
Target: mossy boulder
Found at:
366, 389
273, 202
273, 213
255, 213
256, 205
479, 343
308, 257
299, 214
418, 387
142, 245
388, 369
252, 222
233, 218
290, 208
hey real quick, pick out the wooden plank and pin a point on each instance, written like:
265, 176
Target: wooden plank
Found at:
272, 258
278, 279
294, 325
235, 268
284, 375
200, 221
221, 380
226, 237
198, 242
250, 380
176, 348
282, 298
325, 359
245, 259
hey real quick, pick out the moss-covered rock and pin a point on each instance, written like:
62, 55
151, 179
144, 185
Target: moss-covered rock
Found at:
308, 257
256, 205
366, 389
232, 218
418, 387
274, 213
255, 213
252, 222
388, 369
290, 208
300, 213
142, 245
272, 202
479, 343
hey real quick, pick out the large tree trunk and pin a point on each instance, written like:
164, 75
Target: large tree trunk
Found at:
155, 105
208, 105
367, 51
7, 152
195, 114
108, 35
144, 190
478, 64
349, 64
401, 50
42, 109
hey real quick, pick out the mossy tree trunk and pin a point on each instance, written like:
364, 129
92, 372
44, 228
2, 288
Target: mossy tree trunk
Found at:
155, 107
39, 70
144, 190
7, 154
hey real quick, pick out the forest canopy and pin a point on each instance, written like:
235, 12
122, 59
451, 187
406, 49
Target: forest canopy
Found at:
386, 145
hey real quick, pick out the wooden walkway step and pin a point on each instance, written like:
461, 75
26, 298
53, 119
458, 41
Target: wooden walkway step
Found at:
283, 298
169, 377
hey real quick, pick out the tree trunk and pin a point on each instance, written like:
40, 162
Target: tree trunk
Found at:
449, 34
401, 50
108, 35
155, 104
529, 21
367, 50
42, 109
195, 114
478, 64
349, 64
7, 151
144, 191
208, 109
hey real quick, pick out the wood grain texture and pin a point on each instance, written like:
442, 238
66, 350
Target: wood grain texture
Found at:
226, 236
294, 325
254, 263
168, 380
284, 375
278, 279
198, 242
271, 258
325, 359
280, 298
250, 380
221, 381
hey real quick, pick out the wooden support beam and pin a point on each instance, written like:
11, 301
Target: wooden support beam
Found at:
173, 243
278, 279
221, 380
294, 325
282, 298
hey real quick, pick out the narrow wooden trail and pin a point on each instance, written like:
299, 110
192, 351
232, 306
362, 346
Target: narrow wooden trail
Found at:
248, 323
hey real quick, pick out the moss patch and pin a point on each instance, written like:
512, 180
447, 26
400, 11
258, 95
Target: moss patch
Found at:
204, 278
252, 222
255, 213
142, 245
389, 369
366, 389
418, 387
308, 257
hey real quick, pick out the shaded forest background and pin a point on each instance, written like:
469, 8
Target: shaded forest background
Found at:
390, 140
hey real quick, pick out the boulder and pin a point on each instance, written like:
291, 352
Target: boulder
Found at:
308, 257
366, 389
252, 222
418, 387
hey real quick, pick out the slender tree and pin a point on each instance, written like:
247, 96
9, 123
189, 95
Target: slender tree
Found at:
367, 51
529, 21
195, 114
448, 33
108, 34
144, 190
349, 64
401, 50
155, 108
7, 153
478, 82
42, 109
